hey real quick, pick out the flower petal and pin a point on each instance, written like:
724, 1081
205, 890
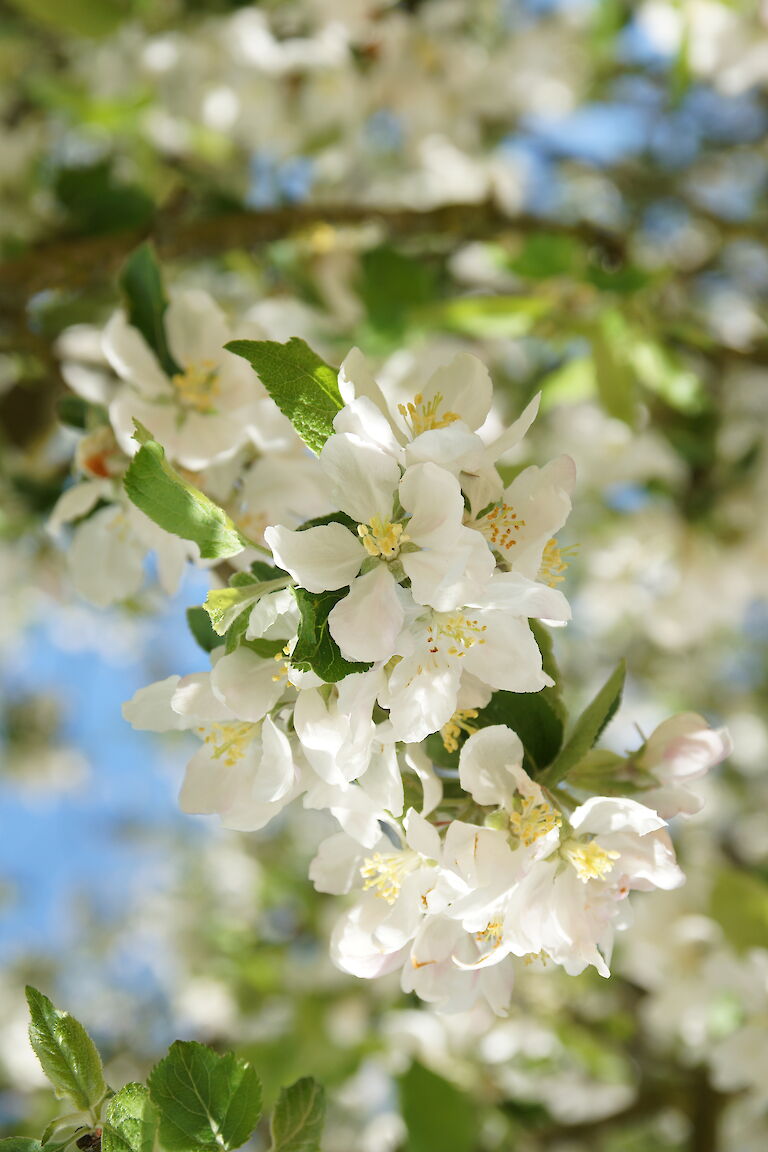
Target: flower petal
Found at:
319, 559
367, 622
485, 764
363, 478
150, 709
131, 358
196, 327
246, 683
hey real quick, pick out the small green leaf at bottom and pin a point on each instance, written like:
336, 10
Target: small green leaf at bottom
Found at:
131, 1121
297, 1122
437, 1114
205, 1102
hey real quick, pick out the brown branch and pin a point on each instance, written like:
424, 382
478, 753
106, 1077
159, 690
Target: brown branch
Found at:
82, 261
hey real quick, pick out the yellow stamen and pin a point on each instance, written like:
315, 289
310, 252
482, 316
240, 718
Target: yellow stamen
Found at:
283, 670
197, 386
532, 957
453, 634
457, 724
554, 564
534, 819
590, 861
425, 417
500, 525
491, 934
382, 538
228, 741
385, 873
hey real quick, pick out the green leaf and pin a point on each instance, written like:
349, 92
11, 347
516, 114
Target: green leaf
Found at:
552, 694
66, 1052
261, 570
437, 1115
178, 507
605, 773
532, 716
267, 649
297, 1122
329, 518
315, 647
488, 316
392, 285
614, 375
20, 1144
145, 300
75, 17
302, 385
224, 605
200, 626
74, 411
588, 728
100, 203
131, 1121
739, 904
544, 254
206, 1102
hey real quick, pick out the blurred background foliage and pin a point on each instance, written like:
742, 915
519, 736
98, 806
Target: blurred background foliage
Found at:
575, 191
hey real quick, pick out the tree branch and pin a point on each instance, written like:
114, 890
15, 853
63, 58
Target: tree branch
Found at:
82, 261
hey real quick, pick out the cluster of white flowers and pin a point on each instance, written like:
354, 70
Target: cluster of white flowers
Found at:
389, 623
215, 422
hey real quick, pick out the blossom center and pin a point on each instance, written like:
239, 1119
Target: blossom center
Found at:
457, 631
384, 872
533, 819
554, 564
382, 538
424, 416
457, 724
491, 934
590, 861
197, 386
500, 525
228, 742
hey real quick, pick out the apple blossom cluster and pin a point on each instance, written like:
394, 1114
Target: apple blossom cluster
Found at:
215, 422
381, 651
